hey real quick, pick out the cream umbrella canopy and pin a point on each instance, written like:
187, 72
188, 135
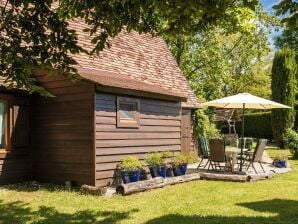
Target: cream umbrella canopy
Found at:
244, 101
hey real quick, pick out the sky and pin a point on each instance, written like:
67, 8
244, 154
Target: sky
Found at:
267, 4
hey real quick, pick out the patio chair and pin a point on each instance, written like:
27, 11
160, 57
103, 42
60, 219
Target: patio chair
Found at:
217, 155
241, 142
204, 151
256, 156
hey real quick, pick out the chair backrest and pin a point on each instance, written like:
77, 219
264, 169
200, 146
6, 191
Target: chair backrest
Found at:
248, 143
217, 150
241, 142
204, 149
260, 147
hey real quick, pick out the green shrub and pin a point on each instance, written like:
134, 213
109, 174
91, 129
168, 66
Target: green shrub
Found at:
130, 163
157, 158
283, 91
154, 159
184, 158
290, 139
257, 125
204, 127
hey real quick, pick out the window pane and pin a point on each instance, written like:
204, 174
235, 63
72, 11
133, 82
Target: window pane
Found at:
2, 125
127, 111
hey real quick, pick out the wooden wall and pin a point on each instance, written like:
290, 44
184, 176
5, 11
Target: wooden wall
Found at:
15, 160
160, 129
63, 132
189, 139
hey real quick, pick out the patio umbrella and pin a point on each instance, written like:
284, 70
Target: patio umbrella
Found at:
244, 101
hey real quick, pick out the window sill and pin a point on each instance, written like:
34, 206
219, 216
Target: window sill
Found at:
125, 124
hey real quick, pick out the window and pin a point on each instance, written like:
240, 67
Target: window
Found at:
3, 124
128, 112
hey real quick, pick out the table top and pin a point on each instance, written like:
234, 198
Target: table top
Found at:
235, 150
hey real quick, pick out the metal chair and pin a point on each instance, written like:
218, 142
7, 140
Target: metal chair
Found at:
257, 155
217, 155
204, 151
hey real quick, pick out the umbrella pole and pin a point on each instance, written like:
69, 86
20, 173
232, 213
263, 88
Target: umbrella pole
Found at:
242, 138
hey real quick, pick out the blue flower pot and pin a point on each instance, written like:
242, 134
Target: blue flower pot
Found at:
183, 169
163, 171
176, 171
153, 171
280, 164
134, 176
125, 176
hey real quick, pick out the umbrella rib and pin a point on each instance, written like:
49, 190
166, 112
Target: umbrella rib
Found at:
263, 106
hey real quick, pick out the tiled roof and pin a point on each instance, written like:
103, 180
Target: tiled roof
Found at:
144, 61
126, 82
140, 57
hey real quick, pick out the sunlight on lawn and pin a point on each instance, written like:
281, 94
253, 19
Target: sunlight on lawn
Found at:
270, 201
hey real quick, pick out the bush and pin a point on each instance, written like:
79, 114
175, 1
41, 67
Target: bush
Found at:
204, 127
130, 163
290, 139
157, 158
183, 158
257, 125
283, 91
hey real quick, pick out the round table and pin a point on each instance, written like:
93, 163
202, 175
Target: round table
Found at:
232, 153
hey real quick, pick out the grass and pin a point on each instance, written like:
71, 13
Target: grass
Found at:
270, 201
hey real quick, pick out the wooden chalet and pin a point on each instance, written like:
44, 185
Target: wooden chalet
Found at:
132, 99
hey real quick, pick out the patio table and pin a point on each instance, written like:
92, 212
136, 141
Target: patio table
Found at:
232, 153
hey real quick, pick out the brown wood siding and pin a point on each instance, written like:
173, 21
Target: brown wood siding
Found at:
189, 142
63, 132
15, 160
160, 129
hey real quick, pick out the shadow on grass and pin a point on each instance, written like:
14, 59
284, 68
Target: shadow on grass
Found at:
32, 186
19, 212
283, 212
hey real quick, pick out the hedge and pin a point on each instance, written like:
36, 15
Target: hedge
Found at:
257, 125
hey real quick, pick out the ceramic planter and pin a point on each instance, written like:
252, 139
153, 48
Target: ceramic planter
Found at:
162, 171
183, 168
280, 164
134, 176
153, 171
125, 176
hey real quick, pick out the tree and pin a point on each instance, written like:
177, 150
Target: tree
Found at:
220, 61
289, 10
288, 39
283, 91
35, 34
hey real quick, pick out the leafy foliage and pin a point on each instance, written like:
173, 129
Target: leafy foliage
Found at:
184, 158
130, 163
290, 139
224, 61
204, 127
287, 39
257, 125
157, 159
35, 34
289, 10
283, 91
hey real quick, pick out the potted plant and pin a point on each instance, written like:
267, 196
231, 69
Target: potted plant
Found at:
280, 160
130, 169
180, 163
153, 160
164, 164
157, 163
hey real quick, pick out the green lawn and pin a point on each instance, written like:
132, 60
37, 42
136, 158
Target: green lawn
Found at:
270, 201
